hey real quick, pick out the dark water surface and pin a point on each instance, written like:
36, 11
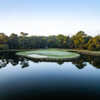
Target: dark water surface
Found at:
23, 78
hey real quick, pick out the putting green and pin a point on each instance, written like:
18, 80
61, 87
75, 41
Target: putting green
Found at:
49, 54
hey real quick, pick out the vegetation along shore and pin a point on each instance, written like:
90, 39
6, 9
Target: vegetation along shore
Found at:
80, 42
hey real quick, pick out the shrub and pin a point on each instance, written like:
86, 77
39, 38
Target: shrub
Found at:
3, 46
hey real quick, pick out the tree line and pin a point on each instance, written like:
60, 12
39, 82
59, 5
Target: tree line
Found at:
23, 41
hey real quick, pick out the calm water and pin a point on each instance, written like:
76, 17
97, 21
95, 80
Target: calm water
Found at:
23, 78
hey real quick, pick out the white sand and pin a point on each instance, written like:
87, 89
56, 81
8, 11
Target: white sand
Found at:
37, 56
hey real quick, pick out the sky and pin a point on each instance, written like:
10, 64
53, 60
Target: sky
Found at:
50, 17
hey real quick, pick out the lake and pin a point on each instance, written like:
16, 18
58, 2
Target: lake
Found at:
24, 78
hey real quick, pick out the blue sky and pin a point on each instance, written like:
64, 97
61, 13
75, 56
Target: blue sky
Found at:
48, 17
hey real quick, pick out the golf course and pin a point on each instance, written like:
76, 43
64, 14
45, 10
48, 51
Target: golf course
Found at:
49, 54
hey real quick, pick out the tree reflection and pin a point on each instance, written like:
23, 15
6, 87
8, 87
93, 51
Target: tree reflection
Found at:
60, 62
24, 63
95, 61
3, 63
80, 63
13, 60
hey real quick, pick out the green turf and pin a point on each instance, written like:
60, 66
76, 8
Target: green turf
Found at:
49, 53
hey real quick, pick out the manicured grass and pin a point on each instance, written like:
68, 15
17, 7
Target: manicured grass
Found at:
86, 52
49, 53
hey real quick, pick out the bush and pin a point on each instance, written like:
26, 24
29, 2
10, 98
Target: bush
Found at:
3, 46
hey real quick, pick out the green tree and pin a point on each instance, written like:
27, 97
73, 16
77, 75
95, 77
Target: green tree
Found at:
52, 42
3, 41
13, 41
94, 43
23, 40
61, 39
80, 40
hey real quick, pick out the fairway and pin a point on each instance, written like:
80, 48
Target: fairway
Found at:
49, 54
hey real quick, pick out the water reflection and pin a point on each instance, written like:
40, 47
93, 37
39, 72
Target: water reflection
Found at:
95, 61
13, 60
37, 78
80, 63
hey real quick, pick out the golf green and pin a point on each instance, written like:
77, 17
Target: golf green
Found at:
49, 54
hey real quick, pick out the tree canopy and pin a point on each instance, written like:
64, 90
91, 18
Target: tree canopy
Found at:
23, 41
